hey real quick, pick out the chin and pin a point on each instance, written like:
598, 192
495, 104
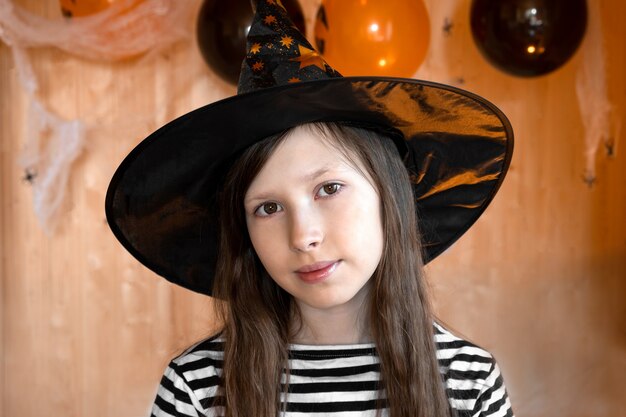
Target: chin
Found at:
326, 303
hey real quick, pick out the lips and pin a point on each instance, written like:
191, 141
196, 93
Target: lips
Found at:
317, 272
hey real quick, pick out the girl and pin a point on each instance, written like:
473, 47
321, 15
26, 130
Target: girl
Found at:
295, 206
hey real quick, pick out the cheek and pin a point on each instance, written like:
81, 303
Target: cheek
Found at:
263, 243
363, 218
256, 238
360, 229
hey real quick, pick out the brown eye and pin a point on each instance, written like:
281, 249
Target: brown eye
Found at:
329, 189
270, 208
267, 209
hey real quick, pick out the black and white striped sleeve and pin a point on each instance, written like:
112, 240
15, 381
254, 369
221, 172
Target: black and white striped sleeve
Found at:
474, 384
493, 400
175, 398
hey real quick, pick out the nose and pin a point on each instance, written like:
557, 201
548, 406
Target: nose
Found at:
305, 231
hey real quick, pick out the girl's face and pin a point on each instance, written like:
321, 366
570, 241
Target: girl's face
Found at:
315, 223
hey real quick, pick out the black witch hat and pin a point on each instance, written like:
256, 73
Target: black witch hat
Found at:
160, 204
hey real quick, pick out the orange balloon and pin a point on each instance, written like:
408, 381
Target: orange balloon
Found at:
373, 37
80, 8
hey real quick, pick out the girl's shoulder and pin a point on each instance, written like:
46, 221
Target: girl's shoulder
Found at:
460, 359
452, 347
207, 351
473, 380
201, 364
190, 383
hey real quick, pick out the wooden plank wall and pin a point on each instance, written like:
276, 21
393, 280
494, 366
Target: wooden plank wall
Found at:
540, 280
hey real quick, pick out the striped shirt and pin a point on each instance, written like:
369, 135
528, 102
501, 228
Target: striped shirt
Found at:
340, 381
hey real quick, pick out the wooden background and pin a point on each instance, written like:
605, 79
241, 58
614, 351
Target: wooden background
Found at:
540, 280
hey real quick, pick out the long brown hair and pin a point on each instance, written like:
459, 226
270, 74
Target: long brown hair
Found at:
258, 314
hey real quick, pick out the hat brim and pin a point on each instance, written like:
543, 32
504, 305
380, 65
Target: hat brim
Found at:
161, 200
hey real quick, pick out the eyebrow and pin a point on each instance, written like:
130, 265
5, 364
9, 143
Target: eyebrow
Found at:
315, 174
308, 177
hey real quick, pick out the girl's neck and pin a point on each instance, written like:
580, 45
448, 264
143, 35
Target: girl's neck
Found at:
341, 325
313, 333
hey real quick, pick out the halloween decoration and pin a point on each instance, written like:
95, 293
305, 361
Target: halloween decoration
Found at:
222, 29
600, 121
528, 37
376, 37
122, 30
81, 8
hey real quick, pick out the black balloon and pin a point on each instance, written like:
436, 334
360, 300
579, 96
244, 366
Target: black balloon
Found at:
222, 29
528, 37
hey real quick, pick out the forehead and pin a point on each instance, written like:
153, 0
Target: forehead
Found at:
302, 155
